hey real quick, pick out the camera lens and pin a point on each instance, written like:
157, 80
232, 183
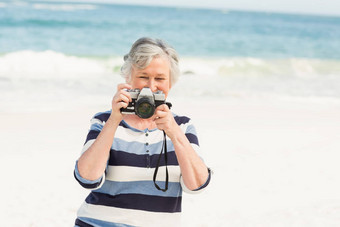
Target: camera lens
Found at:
144, 108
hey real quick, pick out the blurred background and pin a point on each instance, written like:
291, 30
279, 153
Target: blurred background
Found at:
52, 51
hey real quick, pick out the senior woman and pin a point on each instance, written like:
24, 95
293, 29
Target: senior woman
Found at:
122, 151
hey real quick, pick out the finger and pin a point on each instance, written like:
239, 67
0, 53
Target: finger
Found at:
160, 121
120, 95
123, 86
162, 110
126, 94
122, 98
160, 114
163, 107
122, 105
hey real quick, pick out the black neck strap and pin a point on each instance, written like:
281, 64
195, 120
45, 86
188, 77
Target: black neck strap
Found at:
166, 166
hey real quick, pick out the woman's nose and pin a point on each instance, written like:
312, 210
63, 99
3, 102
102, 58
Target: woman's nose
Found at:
152, 85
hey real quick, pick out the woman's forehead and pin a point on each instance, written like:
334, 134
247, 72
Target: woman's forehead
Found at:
157, 66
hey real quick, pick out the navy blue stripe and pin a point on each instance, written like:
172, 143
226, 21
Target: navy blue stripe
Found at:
93, 134
121, 158
123, 124
88, 186
80, 223
103, 116
137, 202
181, 120
192, 138
95, 222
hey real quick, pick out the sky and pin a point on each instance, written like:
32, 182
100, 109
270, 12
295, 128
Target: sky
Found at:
320, 7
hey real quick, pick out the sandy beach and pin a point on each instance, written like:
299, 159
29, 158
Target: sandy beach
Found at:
275, 163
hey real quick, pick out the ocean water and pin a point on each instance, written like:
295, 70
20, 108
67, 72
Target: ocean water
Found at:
52, 52
109, 30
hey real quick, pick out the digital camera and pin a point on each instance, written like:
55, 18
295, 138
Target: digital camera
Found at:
144, 102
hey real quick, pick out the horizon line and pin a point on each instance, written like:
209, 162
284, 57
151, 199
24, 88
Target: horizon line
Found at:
219, 8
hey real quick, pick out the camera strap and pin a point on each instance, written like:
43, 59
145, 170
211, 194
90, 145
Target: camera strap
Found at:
164, 147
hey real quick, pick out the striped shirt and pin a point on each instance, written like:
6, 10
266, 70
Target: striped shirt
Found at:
125, 195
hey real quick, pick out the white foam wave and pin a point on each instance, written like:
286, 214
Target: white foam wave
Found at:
254, 77
47, 78
3, 5
51, 65
64, 7
255, 67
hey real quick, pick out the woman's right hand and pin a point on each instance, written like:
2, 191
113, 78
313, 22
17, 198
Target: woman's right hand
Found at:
120, 100
92, 163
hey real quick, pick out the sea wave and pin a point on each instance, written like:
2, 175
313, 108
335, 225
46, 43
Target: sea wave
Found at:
28, 63
257, 67
201, 77
64, 7
257, 77
48, 65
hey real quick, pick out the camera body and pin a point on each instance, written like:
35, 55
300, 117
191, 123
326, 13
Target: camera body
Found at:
144, 102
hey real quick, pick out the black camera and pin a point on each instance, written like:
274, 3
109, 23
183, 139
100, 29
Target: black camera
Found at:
144, 102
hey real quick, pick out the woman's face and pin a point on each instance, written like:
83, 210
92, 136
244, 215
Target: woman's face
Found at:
156, 76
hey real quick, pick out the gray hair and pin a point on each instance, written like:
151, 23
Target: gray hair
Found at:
143, 51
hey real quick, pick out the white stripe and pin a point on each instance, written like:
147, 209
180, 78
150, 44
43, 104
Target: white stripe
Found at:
154, 136
185, 126
143, 139
87, 145
196, 147
128, 173
198, 151
129, 216
129, 135
97, 121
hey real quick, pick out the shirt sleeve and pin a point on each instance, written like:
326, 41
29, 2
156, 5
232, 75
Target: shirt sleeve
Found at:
88, 184
97, 124
200, 188
191, 134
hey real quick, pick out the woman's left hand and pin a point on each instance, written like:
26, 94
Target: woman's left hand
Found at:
194, 171
165, 120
